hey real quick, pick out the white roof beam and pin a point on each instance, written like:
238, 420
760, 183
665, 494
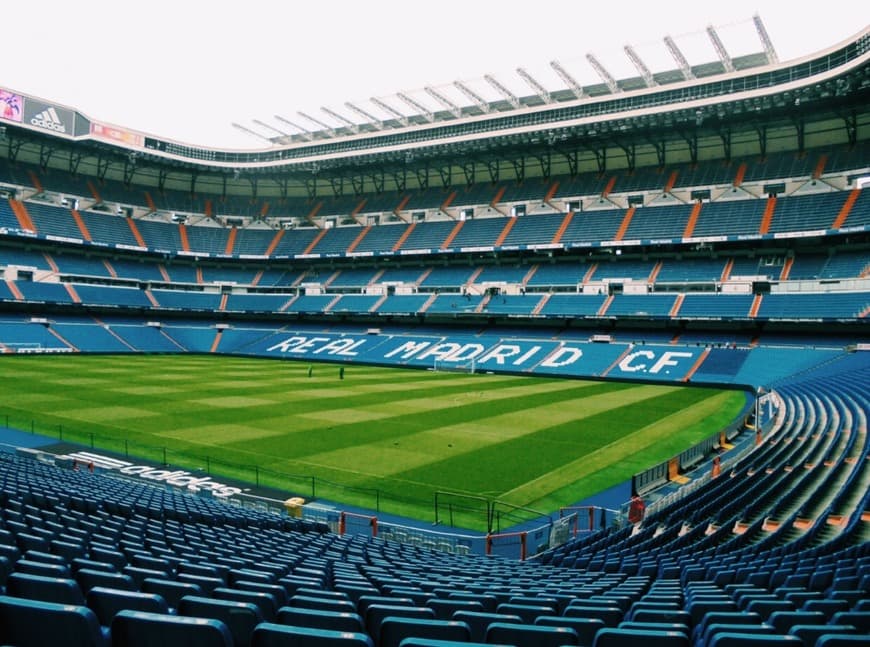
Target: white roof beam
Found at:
764, 37
472, 95
322, 124
305, 132
606, 76
416, 105
678, 57
391, 110
347, 122
719, 46
444, 101
569, 80
507, 94
263, 124
253, 133
640, 65
377, 123
535, 85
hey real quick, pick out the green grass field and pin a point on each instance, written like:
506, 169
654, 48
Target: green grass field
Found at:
382, 437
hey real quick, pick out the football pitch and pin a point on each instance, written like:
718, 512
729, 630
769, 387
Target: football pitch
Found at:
380, 438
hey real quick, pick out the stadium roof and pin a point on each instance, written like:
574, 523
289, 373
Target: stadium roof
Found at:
489, 94
652, 118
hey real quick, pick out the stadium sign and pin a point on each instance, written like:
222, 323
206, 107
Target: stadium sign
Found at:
647, 361
48, 117
492, 353
177, 478
11, 105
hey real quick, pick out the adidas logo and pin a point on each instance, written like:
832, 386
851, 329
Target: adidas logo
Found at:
49, 120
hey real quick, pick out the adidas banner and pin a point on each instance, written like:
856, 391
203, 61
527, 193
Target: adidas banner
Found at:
48, 117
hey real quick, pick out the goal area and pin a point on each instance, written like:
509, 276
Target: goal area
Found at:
462, 366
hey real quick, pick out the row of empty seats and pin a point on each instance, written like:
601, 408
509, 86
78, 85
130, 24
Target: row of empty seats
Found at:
836, 210
676, 306
790, 165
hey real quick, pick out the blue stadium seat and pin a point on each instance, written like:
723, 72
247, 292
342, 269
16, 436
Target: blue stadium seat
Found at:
622, 637
376, 613
394, 630
107, 603
268, 634
321, 603
320, 619
783, 621
88, 578
585, 628
527, 612
478, 622
841, 640
143, 629
431, 642
445, 608
46, 589
275, 590
264, 601
206, 583
521, 635
240, 617
860, 619
735, 639
810, 634
41, 568
610, 616
33, 623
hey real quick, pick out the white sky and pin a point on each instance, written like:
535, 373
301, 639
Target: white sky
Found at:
187, 69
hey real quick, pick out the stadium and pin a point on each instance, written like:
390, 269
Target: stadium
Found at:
676, 263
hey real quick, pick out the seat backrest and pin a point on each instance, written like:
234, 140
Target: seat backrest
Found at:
619, 637
828, 607
323, 604
47, 589
107, 603
88, 578
445, 608
42, 568
376, 613
277, 591
528, 612
478, 622
859, 619
264, 601
32, 623
783, 621
611, 616
320, 619
171, 590
205, 582
586, 628
143, 629
841, 640
810, 634
530, 635
738, 639
268, 634
239, 617
394, 630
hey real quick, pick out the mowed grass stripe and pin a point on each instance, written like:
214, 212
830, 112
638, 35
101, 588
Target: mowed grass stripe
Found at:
401, 426
522, 459
416, 451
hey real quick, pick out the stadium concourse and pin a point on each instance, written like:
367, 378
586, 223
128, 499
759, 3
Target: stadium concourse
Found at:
705, 224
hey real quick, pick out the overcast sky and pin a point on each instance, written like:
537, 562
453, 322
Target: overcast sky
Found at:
187, 69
